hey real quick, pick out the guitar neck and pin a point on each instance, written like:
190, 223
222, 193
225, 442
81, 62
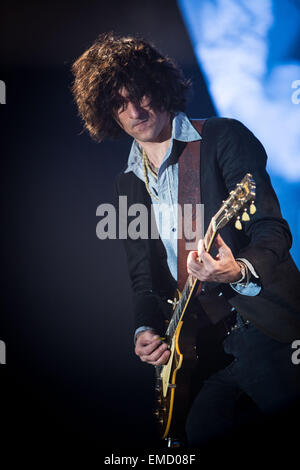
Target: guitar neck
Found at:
191, 286
231, 207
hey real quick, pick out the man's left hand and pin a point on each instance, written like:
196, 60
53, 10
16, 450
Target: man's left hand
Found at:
223, 268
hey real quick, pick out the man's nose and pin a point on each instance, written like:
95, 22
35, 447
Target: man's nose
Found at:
135, 110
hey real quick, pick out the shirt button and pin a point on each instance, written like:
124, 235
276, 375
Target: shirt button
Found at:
173, 229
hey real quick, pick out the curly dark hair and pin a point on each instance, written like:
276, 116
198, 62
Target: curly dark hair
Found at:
114, 62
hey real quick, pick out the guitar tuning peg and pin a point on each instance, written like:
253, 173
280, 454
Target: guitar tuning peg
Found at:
245, 216
238, 224
252, 208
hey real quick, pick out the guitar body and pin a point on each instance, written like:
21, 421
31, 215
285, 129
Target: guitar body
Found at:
173, 380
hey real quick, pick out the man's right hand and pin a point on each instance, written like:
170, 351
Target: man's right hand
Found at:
151, 349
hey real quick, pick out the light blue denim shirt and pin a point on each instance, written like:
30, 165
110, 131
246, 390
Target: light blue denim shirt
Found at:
166, 189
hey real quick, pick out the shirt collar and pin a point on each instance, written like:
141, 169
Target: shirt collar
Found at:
182, 130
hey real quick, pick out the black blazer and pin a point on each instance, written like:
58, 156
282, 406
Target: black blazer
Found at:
228, 151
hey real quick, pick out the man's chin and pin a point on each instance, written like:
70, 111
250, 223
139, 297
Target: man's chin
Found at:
146, 136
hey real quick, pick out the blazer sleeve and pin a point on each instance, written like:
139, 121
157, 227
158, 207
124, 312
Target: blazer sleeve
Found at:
240, 152
148, 306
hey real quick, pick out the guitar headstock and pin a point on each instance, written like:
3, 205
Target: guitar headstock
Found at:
238, 201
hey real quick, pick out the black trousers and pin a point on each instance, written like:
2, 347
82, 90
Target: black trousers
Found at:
262, 370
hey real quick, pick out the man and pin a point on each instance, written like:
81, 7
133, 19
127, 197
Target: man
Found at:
123, 83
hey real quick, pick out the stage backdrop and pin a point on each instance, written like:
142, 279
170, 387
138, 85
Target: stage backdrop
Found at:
249, 54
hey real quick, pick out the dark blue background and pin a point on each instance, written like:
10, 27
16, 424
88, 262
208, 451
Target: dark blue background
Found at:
71, 374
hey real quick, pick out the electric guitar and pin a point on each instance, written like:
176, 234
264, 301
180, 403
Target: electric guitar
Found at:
172, 379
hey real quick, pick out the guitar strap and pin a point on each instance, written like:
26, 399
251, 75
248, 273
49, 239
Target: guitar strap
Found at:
188, 193
215, 306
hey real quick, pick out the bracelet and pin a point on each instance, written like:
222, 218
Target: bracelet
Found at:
244, 269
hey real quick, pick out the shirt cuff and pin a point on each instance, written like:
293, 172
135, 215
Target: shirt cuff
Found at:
252, 288
140, 330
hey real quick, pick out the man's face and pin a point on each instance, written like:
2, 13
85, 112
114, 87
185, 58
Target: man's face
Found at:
141, 122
